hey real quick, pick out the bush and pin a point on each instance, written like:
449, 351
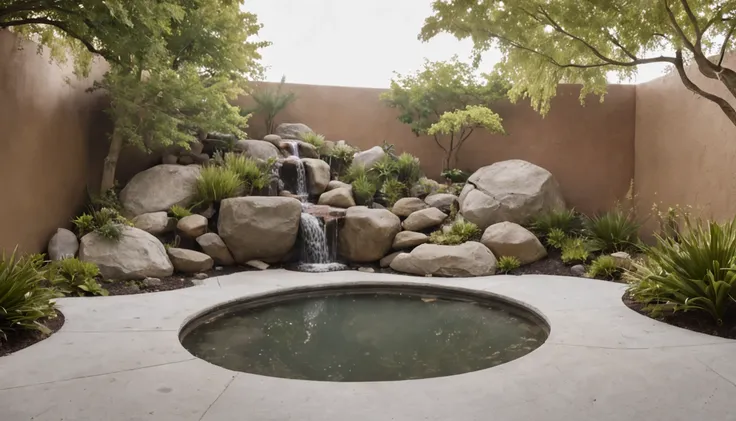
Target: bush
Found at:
455, 175
575, 250
314, 139
408, 169
556, 238
364, 189
23, 298
459, 232
253, 174
392, 191
340, 158
612, 231
508, 263
384, 169
216, 184
270, 102
604, 267
695, 273
179, 212
74, 277
564, 220
106, 222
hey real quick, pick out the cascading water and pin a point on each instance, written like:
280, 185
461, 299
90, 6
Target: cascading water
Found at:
301, 175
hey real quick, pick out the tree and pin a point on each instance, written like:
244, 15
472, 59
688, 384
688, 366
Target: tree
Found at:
439, 87
573, 41
270, 101
462, 123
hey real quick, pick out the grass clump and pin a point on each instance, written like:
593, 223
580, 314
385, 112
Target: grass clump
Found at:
507, 264
216, 184
364, 189
612, 231
459, 232
455, 175
385, 169
179, 212
408, 169
555, 238
603, 267
574, 251
392, 191
340, 157
314, 139
253, 174
73, 277
564, 220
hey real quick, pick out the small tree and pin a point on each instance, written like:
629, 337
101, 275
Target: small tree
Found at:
460, 124
423, 97
270, 101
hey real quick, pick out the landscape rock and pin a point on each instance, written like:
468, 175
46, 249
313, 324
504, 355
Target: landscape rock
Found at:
366, 270
467, 259
318, 175
409, 239
367, 234
192, 226
137, 255
307, 150
292, 130
169, 159
424, 187
201, 276
513, 240
159, 188
63, 245
623, 260
185, 160
513, 191
257, 264
152, 282
441, 201
273, 139
208, 213
340, 198
262, 228
423, 219
189, 261
257, 149
155, 223
336, 184
408, 205
370, 157
386, 261
578, 270
214, 247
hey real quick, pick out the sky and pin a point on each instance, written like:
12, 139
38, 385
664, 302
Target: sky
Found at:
358, 42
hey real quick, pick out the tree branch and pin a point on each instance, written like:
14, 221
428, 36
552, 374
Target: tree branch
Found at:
437, 141
619, 45
724, 47
676, 26
694, 21
689, 84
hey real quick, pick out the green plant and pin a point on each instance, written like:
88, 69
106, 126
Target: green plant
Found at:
174, 243
575, 250
392, 191
110, 230
84, 223
384, 169
340, 157
107, 199
179, 212
408, 169
565, 220
72, 276
508, 263
695, 272
459, 232
23, 298
556, 238
455, 175
216, 184
270, 102
254, 175
445, 238
106, 222
364, 189
356, 171
314, 139
612, 231
603, 267
389, 149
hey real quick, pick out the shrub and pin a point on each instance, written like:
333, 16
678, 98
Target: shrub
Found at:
364, 189
603, 267
216, 184
574, 250
459, 232
356, 171
564, 220
408, 169
612, 231
106, 222
107, 199
556, 238
508, 263
314, 139
455, 175
384, 169
445, 238
253, 174
340, 158
695, 273
74, 277
23, 298
270, 102
392, 191
84, 223
179, 212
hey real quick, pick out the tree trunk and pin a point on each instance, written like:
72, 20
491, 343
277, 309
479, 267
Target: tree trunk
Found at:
111, 162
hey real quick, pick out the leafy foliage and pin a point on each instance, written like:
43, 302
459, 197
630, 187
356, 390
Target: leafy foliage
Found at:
575, 250
254, 175
603, 267
23, 298
564, 220
179, 212
612, 231
393, 190
216, 184
355, 172
270, 102
384, 169
364, 189
106, 222
408, 169
507, 264
314, 139
340, 157
73, 277
455, 175
459, 232
556, 238
466, 120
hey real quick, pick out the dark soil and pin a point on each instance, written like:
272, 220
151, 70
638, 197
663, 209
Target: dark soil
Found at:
551, 265
691, 320
23, 339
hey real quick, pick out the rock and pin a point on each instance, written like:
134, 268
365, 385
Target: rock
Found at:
185, 160
408, 205
201, 276
213, 246
257, 264
513, 191
409, 239
441, 201
376, 205
159, 188
201, 158
155, 223
190, 261
467, 259
219, 268
137, 255
367, 234
366, 270
259, 227
307, 150
257, 149
424, 187
335, 184
208, 213
370, 157
169, 159
286, 193
273, 139
192, 226
196, 148
623, 260
578, 270
318, 175
152, 282
340, 198
513, 240
386, 261
292, 130
63, 245
423, 219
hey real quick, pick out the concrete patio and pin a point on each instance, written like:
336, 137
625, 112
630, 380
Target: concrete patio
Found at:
119, 358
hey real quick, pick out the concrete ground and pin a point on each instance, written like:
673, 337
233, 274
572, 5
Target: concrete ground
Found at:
119, 358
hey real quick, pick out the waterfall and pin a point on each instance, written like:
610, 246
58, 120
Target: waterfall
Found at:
301, 175
316, 256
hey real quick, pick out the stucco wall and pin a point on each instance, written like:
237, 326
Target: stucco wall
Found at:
45, 128
590, 149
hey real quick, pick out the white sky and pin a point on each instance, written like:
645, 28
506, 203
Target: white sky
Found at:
357, 42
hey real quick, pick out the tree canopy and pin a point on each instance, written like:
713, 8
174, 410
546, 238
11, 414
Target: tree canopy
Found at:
545, 43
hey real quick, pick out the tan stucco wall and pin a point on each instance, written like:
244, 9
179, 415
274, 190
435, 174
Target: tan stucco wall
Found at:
590, 149
45, 128
685, 147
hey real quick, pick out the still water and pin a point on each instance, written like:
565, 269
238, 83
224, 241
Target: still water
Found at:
357, 337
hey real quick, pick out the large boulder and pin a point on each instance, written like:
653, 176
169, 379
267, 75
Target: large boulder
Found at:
339, 198
307, 150
263, 228
468, 259
408, 205
367, 234
273, 139
370, 157
192, 226
318, 175
258, 149
189, 261
155, 223
213, 246
63, 245
136, 255
336, 184
423, 219
159, 188
409, 239
513, 240
441, 201
513, 191
424, 187
292, 130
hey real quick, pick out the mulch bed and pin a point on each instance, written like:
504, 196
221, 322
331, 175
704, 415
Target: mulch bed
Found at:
23, 339
550, 265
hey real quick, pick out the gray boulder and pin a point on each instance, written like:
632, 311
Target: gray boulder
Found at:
318, 175
386, 261
263, 228
513, 191
513, 240
292, 130
424, 219
339, 198
409, 239
370, 157
155, 223
137, 255
307, 150
273, 139
336, 184
159, 188
408, 205
424, 187
63, 245
190, 261
213, 246
192, 226
467, 259
258, 149
441, 201
367, 234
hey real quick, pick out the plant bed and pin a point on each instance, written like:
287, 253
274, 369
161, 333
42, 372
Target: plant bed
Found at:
25, 338
691, 320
